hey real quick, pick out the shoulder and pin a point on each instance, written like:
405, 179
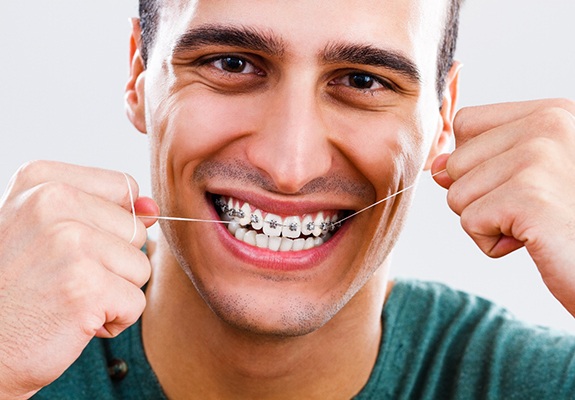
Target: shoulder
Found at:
439, 342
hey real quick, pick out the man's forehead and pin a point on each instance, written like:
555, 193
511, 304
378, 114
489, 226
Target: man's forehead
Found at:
368, 19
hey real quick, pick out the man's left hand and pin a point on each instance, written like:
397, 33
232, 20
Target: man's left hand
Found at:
511, 179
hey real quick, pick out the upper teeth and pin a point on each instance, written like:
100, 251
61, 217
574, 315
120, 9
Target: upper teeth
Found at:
275, 226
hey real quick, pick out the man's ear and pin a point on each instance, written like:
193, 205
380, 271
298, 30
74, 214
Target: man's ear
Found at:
134, 93
447, 114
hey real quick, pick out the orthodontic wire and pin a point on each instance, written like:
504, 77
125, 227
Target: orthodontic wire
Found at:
405, 189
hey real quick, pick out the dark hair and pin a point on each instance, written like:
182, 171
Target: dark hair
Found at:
149, 19
446, 53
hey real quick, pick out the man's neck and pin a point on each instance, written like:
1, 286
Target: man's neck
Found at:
196, 355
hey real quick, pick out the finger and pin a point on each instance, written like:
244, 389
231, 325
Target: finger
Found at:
122, 305
439, 171
106, 184
146, 206
51, 203
473, 121
490, 225
123, 259
489, 175
534, 131
77, 243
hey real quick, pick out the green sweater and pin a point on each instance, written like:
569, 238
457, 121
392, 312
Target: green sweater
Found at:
438, 343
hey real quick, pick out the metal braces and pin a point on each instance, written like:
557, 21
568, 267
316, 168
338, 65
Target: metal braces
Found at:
292, 226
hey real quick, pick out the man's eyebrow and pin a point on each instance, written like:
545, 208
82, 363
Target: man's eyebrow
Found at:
229, 35
374, 56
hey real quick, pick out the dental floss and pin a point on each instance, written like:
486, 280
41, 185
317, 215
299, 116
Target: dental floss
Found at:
185, 219
227, 222
135, 217
385, 199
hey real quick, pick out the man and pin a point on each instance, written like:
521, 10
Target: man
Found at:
294, 115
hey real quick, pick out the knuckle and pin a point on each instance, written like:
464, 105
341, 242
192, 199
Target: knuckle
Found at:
71, 238
74, 287
50, 198
131, 310
469, 222
26, 175
461, 120
78, 287
454, 165
31, 169
555, 122
563, 103
455, 199
535, 151
139, 304
32, 173
143, 268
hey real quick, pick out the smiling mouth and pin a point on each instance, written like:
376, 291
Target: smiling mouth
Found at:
269, 231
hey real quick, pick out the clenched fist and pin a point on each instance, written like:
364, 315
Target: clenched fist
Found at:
68, 271
512, 181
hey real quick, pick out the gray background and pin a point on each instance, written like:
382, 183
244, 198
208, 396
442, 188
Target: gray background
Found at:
63, 66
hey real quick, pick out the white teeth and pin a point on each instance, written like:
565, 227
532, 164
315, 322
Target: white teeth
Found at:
240, 233
274, 243
278, 234
258, 220
298, 245
233, 227
262, 241
309, 243
236, 208
306, 224
286, 244
250, 237
273, 225
318, 221
246, 214
292, 227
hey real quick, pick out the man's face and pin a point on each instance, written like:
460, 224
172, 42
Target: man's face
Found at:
295, 112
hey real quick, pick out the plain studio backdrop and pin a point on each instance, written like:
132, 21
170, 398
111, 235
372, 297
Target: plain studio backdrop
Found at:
64, 63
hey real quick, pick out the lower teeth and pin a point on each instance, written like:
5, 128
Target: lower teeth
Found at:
274, 243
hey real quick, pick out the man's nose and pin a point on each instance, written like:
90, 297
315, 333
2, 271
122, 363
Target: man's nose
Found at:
292, 145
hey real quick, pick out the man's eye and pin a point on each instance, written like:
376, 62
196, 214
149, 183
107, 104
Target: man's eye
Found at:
362, 81
235, 65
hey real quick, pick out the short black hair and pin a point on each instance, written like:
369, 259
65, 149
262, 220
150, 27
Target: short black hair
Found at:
150, 16
149, 20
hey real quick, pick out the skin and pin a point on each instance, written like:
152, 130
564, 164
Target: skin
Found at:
312, 143
332, 147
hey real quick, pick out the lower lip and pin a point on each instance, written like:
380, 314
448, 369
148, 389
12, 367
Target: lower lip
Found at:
277, 260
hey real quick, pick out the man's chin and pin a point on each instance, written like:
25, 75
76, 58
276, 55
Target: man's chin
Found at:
280, 318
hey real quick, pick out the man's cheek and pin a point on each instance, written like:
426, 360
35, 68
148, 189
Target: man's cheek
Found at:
198, 124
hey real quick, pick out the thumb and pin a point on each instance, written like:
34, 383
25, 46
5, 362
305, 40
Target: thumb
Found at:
147, 206
439, 172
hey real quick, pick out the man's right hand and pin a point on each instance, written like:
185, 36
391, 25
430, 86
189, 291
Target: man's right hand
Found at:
68, 271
